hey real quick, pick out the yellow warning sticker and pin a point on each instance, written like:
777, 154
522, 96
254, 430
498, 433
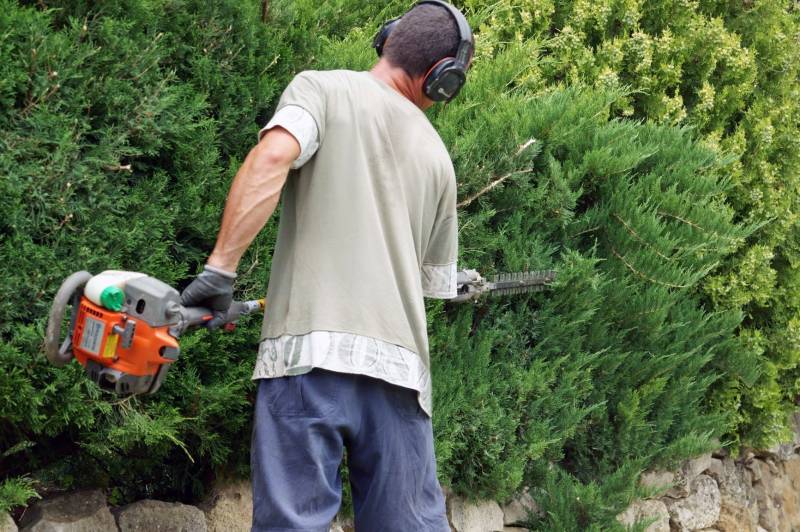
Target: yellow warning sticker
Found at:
111, 346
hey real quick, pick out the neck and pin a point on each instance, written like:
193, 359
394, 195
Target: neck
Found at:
399, 80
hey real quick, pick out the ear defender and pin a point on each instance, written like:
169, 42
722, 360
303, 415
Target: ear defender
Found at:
444, 80
383, 34
446, 77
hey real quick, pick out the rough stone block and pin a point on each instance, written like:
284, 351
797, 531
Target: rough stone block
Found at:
689, 471
6, 523
781, 451
735, 517
159, 516
700, 509
81, 511
519, 509
792, 470
777, 496
481, 516
765, 486
229, 507
716, 469
738, 504
657, 479
341, 524
645, 510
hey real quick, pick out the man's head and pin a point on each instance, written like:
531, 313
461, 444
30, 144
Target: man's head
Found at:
425, 44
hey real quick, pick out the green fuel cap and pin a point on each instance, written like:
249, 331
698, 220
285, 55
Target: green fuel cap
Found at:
112, 298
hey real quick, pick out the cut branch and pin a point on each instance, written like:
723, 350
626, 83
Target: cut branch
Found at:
490, 186
522, 147
525, 145
119, 168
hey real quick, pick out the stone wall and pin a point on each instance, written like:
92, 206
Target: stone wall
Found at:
719, 493
756, 492
227, 509
759, 491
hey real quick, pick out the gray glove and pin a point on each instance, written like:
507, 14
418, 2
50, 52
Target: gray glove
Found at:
212, 289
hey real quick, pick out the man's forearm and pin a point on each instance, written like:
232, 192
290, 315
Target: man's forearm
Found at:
253, 197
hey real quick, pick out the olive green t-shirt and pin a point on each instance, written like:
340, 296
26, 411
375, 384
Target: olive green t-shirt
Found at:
368, 228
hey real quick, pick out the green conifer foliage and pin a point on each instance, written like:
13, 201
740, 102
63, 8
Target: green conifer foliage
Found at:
120, 127
645, 150
730, 71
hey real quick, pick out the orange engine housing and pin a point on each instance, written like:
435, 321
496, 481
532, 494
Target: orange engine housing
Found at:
120, 352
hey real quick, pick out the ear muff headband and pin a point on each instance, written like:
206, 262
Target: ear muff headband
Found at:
464, 31
446, 77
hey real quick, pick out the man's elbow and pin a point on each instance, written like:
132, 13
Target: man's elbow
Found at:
278, 149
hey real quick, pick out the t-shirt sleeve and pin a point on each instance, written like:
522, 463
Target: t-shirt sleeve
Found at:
439, 264
306, 91
301, 125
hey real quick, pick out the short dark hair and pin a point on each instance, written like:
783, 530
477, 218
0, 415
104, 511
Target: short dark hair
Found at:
423, 37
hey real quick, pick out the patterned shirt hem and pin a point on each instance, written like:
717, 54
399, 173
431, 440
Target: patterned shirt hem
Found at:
344, 353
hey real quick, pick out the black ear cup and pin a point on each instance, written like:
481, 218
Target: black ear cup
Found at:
444, 80
380, 38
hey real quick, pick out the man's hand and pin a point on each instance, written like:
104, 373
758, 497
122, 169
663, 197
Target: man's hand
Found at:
212, 289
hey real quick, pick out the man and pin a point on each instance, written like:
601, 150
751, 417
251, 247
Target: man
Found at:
368, 228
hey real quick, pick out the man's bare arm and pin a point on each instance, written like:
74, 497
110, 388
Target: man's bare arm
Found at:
253, 196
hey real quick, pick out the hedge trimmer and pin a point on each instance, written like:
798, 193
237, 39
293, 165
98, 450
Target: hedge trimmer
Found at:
126, 346
472, 286
127, 339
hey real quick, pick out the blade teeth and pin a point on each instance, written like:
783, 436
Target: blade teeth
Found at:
523, 282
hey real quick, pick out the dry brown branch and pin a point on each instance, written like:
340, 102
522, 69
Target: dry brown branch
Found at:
684, 220
642, 275
34, 102
694, 225
591, 229
264, 10
639, 238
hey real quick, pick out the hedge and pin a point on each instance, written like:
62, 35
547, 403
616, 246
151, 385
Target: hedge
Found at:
646, 151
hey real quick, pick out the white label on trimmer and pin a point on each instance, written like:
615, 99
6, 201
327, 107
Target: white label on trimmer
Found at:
92, 335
